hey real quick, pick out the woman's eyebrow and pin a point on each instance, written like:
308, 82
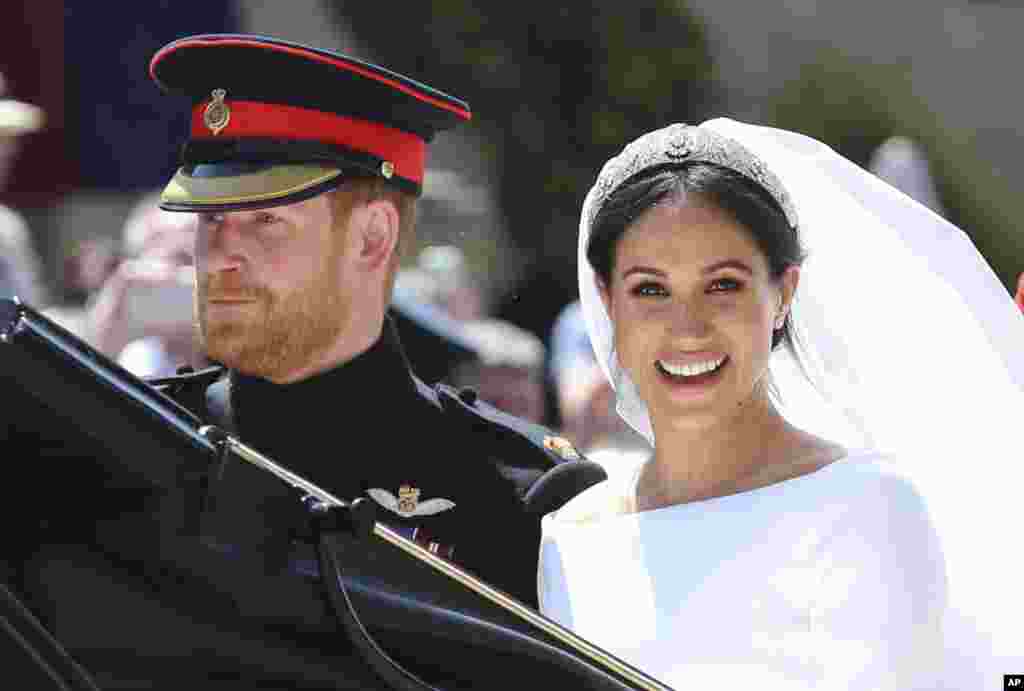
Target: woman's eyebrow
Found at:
642, 270
728, 264
711, 268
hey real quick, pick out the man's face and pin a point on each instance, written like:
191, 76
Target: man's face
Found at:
268, 294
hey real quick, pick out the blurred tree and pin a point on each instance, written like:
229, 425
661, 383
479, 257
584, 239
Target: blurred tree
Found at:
854, 106
556, 89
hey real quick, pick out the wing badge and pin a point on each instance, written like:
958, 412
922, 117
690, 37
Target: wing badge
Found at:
407, 504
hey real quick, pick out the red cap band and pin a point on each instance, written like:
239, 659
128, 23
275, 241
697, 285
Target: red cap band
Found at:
249, 119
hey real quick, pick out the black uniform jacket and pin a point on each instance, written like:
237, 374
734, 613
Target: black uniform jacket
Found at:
443, 468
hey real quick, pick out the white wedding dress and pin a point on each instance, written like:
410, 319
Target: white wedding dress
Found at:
831, 580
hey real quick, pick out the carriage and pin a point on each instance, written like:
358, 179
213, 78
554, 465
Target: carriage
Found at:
146, 549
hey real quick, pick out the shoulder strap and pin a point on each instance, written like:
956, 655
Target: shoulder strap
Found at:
532, 445
546, 469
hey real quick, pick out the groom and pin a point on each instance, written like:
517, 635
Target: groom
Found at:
302, 170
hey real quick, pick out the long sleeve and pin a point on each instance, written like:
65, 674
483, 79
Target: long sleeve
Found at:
877, 614
604, 499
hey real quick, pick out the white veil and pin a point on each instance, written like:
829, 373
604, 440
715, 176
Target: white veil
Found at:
914, 347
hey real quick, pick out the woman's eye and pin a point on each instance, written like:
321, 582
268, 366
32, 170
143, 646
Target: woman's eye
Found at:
648, 290
720, 285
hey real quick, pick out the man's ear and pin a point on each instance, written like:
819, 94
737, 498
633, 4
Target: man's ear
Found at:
375, 226
1020, 292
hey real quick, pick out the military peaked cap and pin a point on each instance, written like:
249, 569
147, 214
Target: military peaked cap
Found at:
275, 122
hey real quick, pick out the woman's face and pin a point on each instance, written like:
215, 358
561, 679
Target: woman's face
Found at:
693, 307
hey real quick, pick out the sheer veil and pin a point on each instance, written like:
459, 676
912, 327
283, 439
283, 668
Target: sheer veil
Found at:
909, 344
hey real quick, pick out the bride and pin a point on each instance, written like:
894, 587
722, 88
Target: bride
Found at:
828, 373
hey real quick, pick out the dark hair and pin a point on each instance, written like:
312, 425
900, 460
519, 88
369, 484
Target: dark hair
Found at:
746, 201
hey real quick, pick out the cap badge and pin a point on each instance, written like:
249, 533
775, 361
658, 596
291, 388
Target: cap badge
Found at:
217, 114
387, 169
563, 447
407, 503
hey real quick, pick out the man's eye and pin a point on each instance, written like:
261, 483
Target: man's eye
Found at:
266, 219
210, 219
720, 285
648, 290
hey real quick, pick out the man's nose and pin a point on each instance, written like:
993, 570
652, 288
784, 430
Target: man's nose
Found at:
222, 245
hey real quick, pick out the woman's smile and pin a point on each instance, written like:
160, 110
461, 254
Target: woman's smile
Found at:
691, 377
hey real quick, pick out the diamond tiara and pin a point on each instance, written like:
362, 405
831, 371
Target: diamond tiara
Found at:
680, 143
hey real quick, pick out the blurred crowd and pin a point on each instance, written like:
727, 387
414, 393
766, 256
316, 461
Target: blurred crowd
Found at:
129, 294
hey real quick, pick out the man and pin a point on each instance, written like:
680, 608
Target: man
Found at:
302, 169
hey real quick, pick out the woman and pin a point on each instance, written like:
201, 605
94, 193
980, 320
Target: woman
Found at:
794, 526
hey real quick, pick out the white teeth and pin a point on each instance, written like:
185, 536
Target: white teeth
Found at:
692, 369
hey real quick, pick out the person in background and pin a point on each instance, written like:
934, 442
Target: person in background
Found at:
85, 268
20, 265
508, 370
417, 285
147, 302
586, 400
902, 163
455, 289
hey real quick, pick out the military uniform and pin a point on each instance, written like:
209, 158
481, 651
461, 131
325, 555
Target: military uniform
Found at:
443, 468
274, 123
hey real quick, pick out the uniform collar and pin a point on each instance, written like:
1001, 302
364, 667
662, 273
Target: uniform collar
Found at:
380, 373
350, 411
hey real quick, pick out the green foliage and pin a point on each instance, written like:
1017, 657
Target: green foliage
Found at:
854, 106
556, 88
